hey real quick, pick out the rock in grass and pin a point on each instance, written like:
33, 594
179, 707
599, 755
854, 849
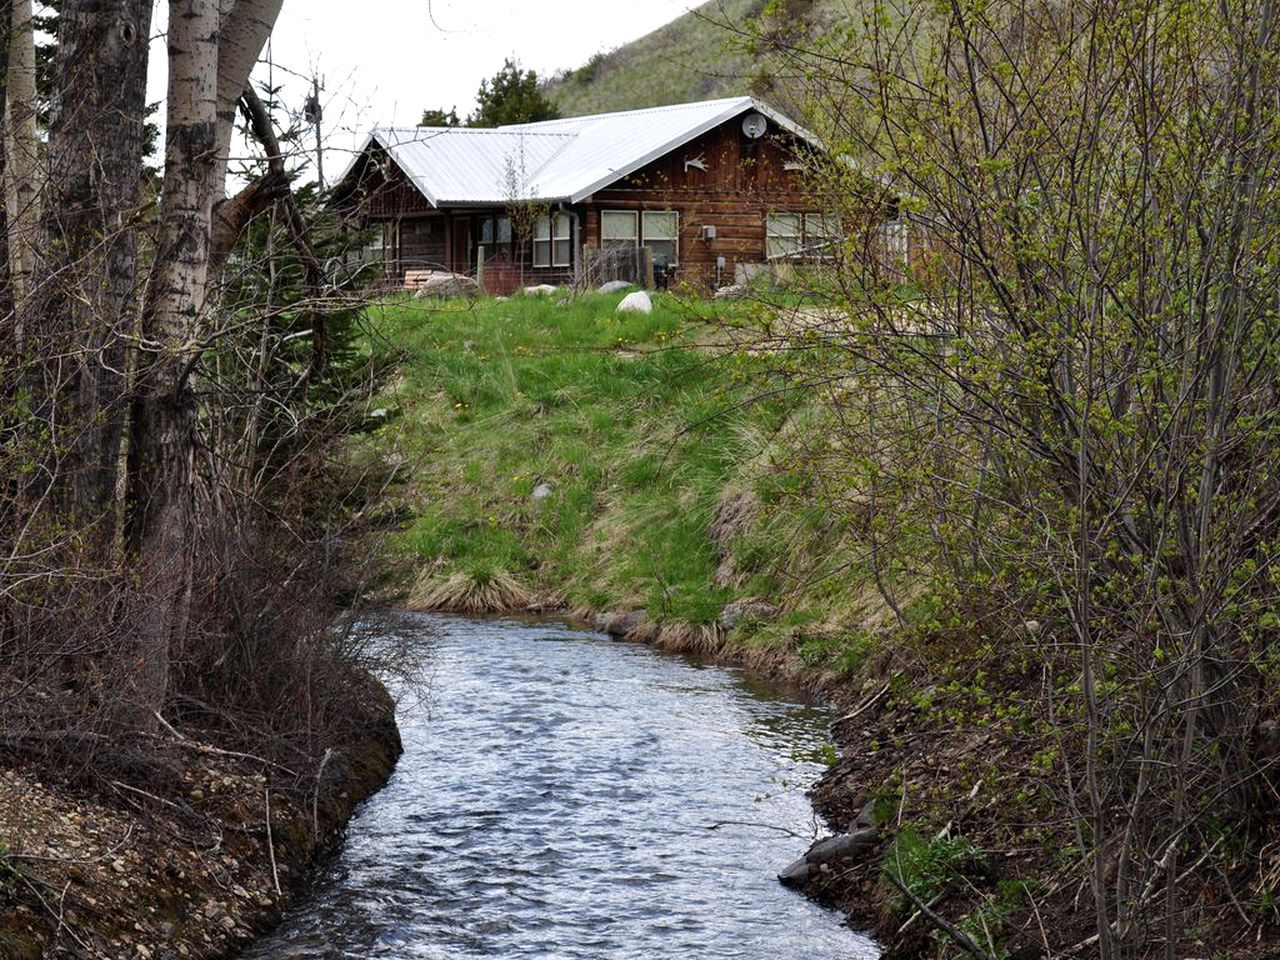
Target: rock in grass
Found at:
739, 610
732, 292
637, 302
615, 286
541, 491
447, 285
541, 290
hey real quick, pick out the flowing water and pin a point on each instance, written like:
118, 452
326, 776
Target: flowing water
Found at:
562, 795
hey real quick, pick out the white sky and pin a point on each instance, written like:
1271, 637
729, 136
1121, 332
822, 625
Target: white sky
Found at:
384, 61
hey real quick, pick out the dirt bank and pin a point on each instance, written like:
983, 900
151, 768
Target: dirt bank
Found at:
192, 867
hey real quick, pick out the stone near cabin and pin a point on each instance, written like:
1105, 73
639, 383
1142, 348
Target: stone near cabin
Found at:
732, 292
615, 286
447, 285
540, 290
637, 302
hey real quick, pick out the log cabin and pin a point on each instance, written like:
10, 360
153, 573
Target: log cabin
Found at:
706, 192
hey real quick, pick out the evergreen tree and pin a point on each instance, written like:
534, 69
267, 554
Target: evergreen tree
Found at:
512, 96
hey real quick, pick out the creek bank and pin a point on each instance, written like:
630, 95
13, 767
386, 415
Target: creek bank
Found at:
194, 869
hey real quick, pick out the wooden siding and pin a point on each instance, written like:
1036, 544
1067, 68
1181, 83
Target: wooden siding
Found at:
743, 182
721, 180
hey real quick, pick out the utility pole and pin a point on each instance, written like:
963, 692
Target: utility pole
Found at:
313, 113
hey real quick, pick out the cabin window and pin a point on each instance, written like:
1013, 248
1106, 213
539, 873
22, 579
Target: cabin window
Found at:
784, 235
495, 230
552, 241
619, 228
797, 234
821, 233
660, 232
380, 241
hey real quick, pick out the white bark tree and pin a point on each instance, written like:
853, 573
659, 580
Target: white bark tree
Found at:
209, 50
21, 171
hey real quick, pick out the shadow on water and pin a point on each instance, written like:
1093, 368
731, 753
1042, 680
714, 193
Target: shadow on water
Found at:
563, 795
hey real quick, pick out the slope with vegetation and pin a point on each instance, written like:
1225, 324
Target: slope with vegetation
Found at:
722, 48
1051, 460
572, 457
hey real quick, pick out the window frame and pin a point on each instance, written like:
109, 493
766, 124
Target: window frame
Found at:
674, 239
547, 239
805, 241
772, 235
638, 238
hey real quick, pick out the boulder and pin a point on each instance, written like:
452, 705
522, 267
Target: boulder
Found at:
827, 852
447, 285
615, 286
735, 612
637, 302
732, 292
540, 290
621, 624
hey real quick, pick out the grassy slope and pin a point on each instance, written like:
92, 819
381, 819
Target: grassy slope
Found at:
641, 426
695, 57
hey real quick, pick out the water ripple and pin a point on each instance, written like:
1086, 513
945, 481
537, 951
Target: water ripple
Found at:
555, 800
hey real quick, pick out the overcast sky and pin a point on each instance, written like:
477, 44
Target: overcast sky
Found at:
384, 61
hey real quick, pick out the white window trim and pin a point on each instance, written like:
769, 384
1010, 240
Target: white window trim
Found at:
634, 215
804, 241
674, 239
546, 238
638, 238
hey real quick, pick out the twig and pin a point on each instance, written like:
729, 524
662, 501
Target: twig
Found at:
61, 923
315, 796
747, 823
865, 705
961, 938
917, 915
149, 796
190, 744
271, 846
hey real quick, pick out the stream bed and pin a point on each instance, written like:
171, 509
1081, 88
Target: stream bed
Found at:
564, 795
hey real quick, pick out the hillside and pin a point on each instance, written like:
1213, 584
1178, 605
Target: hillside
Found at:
701, 55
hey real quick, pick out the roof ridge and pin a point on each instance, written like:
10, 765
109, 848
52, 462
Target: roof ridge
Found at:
435, 131
658, 108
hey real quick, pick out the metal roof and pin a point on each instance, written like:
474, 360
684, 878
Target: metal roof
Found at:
556, 160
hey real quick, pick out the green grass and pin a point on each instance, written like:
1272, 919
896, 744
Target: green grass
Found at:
622, 415
640, 425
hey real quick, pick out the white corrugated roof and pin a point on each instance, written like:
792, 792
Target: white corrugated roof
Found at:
557, 160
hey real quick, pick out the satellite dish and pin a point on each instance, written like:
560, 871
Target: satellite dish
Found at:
754, 125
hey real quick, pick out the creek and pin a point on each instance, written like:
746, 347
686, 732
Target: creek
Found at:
563, 795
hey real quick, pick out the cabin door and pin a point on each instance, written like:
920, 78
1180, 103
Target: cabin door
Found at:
461, 246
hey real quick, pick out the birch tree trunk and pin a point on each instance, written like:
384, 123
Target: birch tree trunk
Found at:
209, 43
21, 171
246, 26
87, 274
162, 438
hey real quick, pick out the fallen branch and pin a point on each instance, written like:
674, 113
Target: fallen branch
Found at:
190, 744
271, 847
747, 823
315, 796
962, 939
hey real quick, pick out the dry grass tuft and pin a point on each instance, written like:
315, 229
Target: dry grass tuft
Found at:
474, 592
705, 639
